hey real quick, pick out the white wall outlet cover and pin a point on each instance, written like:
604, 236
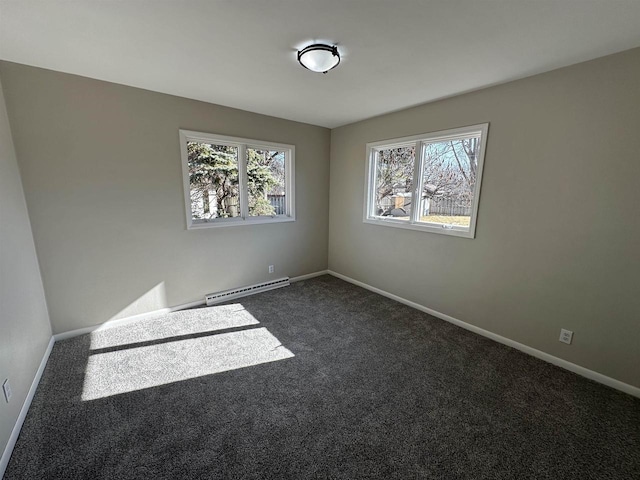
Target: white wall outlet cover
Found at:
6, 388
566, 336
271, 268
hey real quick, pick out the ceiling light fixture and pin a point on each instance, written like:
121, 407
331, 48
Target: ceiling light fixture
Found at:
319, 57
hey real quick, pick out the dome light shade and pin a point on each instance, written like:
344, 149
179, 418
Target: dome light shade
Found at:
319, 57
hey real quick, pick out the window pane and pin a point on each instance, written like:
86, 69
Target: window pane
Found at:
394, 178
266, 182
448, 181
214, 181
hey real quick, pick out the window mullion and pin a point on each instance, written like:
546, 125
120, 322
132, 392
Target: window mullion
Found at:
288, 184
417, 183
244, 181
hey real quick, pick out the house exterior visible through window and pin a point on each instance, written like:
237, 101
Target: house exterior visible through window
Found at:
428, 182
236, 181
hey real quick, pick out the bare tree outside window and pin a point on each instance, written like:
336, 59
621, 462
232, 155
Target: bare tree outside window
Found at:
449, 176
428, 181
394, 179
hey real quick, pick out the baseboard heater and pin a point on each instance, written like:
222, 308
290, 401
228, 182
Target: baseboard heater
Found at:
219, 297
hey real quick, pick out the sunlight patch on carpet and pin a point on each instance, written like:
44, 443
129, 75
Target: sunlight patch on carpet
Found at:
132, 369
167, 325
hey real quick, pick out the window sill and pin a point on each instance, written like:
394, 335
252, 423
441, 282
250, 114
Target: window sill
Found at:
424, 227
238, 222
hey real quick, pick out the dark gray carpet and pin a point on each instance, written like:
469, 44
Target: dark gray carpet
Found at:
333, 382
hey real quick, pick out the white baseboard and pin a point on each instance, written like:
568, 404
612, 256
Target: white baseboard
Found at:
582, 371
13, 438
308, 276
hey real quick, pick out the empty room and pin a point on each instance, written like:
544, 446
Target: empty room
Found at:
337, 239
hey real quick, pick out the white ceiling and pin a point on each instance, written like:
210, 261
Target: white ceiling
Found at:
241, 53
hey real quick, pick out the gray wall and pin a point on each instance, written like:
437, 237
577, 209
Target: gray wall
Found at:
102, 176
24, 321
558, 232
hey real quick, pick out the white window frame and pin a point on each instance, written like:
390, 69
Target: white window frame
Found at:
418, 141
241, 144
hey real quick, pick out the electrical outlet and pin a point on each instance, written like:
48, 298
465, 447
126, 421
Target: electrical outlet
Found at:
6, 388
271, 269
566, 336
